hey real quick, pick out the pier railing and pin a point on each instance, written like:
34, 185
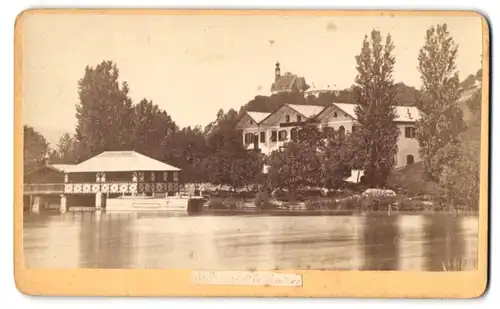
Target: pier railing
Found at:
43, 188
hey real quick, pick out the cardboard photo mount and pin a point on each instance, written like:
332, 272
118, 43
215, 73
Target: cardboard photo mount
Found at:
313, 283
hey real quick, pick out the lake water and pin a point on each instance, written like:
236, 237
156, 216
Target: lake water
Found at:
161, 241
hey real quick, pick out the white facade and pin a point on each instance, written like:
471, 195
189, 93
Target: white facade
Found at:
273, 130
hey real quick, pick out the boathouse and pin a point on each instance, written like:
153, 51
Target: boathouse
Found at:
108, 175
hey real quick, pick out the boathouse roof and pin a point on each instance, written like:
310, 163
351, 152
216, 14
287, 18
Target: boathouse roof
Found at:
121, 161
62, 167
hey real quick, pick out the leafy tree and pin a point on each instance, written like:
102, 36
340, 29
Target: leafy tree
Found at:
298, 163
229, 163
152, 128
442, 120
474, 104
285, 169
336, 159
376, 135
187, 149
66, 150
245, 171
221, 135
460, 178
235, 170
104, 114
406, 95
35, 148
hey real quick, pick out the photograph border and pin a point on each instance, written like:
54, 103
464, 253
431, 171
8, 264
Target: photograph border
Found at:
315, 283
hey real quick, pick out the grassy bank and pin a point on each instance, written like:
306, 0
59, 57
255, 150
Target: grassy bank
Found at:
328, 205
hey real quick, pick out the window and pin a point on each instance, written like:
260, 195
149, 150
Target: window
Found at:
335, 114
274, 136
410, 132
354, 128
293, 134
409, 159
287, 118
341, 133
298, 118
282, 135
262, 137
328, 131
248, 138
176, 176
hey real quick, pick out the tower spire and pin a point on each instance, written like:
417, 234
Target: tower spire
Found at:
277, 71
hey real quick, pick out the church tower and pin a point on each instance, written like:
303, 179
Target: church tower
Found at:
277, 71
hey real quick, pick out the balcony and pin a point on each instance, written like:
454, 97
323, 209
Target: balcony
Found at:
43, 188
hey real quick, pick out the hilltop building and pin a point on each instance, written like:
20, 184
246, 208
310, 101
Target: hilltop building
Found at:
316, 90
287, 82
270, 131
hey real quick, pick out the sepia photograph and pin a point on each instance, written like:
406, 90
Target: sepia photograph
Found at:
252, 142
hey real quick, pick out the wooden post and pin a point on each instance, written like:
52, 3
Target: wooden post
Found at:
36, 204
98, 200
63, 206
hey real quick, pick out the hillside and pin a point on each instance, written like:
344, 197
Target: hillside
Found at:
462, 175
407, 96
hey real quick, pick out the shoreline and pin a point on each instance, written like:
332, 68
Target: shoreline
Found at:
288, 212
318, 212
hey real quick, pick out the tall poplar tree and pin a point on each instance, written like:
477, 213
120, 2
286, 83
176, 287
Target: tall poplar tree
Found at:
442, 119
376, 136
104, 113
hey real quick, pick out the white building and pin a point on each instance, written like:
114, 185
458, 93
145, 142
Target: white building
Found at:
316, 90
270, 131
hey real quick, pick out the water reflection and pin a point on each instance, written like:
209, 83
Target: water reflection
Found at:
381, 243
159, 240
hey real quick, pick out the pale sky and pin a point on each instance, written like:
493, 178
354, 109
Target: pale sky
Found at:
191, 66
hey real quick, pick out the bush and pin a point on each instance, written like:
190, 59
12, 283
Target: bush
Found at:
405, 205
262, 201
375, 202
411, 181
222, 203
326, 204
216, 204
351, 203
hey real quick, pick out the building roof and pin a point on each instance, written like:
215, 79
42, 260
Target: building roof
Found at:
307, 111
403, 113
121, 161
319, 88
284, 82
407, 113
61, 168
347, 108
258, 116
